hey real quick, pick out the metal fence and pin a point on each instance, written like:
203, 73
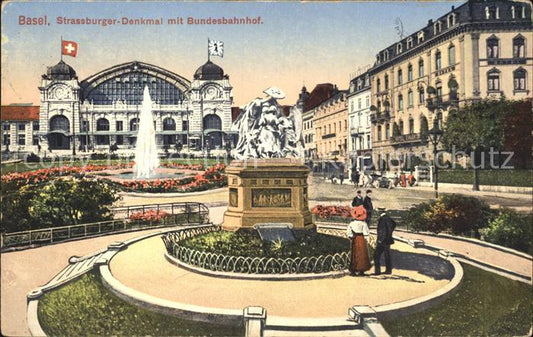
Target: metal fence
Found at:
247, 264
176, 214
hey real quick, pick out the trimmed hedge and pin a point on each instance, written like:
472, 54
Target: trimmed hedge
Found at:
488, 177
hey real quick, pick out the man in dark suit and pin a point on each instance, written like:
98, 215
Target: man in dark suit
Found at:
358, 200
367, 204
385, 229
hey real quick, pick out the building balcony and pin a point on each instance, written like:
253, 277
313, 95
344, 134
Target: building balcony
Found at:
356, 130
380, 116
407, 139
329, 135
442, 102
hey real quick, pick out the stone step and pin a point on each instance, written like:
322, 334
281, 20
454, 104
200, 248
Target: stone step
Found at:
308, 333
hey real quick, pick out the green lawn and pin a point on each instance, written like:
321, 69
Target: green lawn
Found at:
488, 177
24, 167
86, 308
485, 304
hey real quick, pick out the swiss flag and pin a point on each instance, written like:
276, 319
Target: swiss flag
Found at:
69, 48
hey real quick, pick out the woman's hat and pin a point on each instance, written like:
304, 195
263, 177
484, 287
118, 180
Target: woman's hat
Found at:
358, 213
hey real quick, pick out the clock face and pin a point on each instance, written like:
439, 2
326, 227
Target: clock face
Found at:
60, 92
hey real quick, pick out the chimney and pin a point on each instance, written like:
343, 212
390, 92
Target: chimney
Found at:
430, 21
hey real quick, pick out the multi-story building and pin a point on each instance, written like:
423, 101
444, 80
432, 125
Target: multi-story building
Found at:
309, 103
103, 110
20, 124
360, 141
479, 50
331, 128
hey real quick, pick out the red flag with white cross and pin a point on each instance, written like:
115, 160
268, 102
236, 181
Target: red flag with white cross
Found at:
69, 48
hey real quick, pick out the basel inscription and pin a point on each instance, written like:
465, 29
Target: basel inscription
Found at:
271, 197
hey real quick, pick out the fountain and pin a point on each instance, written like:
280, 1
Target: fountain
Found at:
146, 159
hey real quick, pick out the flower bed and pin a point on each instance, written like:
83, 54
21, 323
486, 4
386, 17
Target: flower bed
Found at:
213, 177
150, 215
43, 175
332, 213
196, 167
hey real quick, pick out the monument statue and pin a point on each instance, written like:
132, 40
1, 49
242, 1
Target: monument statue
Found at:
265, 132
270, 195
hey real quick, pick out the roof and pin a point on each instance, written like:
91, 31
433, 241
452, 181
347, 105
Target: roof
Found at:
60, 71
209, 71
320, 93
19, 113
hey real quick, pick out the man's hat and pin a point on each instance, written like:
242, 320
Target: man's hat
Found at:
382, 211
275, 93
358, 213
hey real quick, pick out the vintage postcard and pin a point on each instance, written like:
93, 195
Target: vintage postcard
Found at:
349, 168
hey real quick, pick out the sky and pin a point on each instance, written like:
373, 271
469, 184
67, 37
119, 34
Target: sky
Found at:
297, 43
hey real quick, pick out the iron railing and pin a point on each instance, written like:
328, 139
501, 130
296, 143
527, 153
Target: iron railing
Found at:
177, 214
248, 264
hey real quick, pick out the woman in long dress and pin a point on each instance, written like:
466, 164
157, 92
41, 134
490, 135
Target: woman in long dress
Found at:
358, 231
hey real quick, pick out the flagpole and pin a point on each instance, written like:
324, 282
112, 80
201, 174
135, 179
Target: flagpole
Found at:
208, 55
61, 47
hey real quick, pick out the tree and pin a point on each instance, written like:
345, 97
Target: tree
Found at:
424, 130
72, 201
477, 127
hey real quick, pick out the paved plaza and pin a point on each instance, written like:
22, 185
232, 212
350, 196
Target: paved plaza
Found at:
144, 268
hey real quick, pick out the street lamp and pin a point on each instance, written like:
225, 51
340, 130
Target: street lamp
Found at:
434, 136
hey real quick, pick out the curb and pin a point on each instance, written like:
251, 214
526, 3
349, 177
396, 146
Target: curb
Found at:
256, 277
471, 240
484, 188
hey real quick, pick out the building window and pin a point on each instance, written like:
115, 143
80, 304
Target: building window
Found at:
400, 127
21, 126
102, 124
492, 12
493, 80
134, 124
169, 124
411, 126
387, 131
22, 139
492, 47
410, 72
400, 102
420, 36
84, 125
519, 79
35, 126
523, 10
359, 104
513, 13
399, 48
378, 85
421, 96
437, 27
5, 126
379, 132
451, 55
7, 139
119, 125
438, 60
367, 101
386, 82
519, 49
410, 98
185, 125
421, 68
119, 140
59, 123
35, 140
386, 55
400, 77
451, 20
439, 91
410, 42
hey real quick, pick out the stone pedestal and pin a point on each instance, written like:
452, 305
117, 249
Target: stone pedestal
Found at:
267, 191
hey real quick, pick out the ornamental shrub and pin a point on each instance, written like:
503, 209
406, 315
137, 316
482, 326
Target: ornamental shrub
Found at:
510, 229
453, 213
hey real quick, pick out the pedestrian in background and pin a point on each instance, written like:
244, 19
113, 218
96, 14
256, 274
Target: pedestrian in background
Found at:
385, 230
358, 200
367, 204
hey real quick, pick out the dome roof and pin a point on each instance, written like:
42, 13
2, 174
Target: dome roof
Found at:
61, 71
209, 71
